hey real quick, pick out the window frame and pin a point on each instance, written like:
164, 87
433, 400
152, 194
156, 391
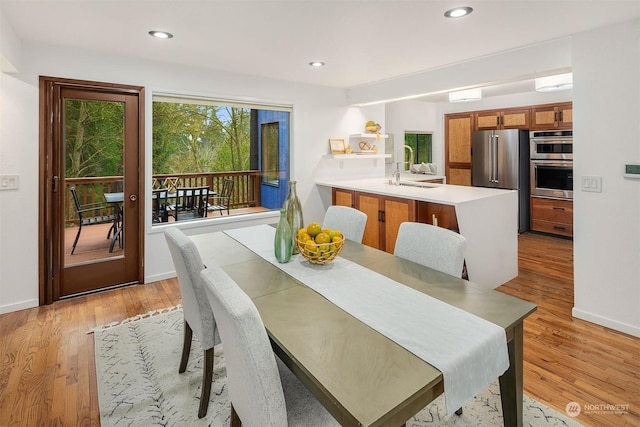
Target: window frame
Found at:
154, 94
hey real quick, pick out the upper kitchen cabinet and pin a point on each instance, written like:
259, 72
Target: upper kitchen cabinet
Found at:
458, 129
511, 118
552, 116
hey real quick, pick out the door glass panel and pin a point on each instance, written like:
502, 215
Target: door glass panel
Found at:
93, 184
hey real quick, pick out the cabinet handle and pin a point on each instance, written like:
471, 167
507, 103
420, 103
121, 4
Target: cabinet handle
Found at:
560, 116
383, 218
556, 208
557, 227
555, 116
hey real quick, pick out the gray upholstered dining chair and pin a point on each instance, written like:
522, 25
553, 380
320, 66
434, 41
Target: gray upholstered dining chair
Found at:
431, 246
198, 317
262, 390
351, 222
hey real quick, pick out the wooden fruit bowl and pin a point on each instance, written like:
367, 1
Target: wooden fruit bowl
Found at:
325, 253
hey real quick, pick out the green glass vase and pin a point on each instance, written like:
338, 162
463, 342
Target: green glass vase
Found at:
293, 210
283, 242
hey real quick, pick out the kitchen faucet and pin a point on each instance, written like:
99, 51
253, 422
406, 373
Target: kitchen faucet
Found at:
396, 173
410, 155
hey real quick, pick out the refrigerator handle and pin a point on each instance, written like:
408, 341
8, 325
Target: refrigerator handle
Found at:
492, 158
495, 160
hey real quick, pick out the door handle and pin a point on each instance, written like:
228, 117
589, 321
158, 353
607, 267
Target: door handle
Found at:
133, 197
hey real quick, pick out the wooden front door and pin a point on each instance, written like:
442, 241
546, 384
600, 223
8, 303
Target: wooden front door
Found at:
91, 168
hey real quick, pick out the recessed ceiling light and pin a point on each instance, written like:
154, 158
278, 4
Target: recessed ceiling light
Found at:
316, 63
458, 12
160, 34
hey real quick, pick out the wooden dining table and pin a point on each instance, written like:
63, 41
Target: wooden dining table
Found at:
362, 377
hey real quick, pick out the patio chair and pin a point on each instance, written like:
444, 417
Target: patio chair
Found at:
84, 219
159, 205
190, 203
222, 201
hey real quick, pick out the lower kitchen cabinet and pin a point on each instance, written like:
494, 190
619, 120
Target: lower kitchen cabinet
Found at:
552, 216
384, 215
438, 214
343, 197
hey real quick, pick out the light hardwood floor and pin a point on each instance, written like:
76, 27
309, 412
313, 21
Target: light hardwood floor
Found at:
47, 371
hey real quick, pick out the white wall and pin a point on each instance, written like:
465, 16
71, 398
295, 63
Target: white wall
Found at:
319, 113
411, 116
606, 62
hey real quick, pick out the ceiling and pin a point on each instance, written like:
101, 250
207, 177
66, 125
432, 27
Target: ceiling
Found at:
361, 42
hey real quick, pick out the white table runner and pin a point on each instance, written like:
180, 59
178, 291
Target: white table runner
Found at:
469, 351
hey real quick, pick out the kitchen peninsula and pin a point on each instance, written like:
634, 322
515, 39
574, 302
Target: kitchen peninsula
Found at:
487, 218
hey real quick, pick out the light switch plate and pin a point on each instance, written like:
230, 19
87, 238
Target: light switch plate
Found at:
9, 182
592, 183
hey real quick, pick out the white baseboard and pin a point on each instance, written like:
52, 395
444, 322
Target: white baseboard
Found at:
161, 276
609, 323
18, 306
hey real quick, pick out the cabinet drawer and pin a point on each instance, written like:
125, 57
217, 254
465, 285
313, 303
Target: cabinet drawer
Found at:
552, 227
552, 210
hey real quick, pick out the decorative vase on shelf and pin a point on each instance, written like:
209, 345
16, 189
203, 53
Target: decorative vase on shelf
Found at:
293, 210
283, 242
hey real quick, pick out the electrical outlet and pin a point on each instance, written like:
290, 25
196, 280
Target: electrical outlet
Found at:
592, 183
9, 182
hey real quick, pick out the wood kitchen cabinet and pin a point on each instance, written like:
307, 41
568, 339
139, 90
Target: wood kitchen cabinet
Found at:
552, 216
343, 197
437, 214
510, 118
384, 216
552, 116
458, 130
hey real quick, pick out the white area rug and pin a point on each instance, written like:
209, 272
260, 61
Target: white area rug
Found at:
139, 384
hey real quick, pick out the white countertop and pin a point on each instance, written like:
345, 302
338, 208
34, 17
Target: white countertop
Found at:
436, 193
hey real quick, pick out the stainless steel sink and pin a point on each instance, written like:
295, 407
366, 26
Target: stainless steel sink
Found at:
417, 184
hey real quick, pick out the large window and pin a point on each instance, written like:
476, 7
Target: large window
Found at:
203, 142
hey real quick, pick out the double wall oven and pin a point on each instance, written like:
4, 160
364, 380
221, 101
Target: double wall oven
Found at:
552, 163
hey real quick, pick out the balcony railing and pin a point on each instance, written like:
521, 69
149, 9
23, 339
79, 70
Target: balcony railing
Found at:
246, 189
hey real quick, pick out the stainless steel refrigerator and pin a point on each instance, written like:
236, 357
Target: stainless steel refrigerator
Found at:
500, 159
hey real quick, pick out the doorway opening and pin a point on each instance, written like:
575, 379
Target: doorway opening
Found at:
91, 161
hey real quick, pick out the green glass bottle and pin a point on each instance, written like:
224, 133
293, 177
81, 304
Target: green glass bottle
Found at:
283, 242
294, 212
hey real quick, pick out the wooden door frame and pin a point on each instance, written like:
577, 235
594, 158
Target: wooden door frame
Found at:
50, 259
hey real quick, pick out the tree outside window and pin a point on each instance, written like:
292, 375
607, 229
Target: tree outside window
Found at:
209, 137
420, 142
